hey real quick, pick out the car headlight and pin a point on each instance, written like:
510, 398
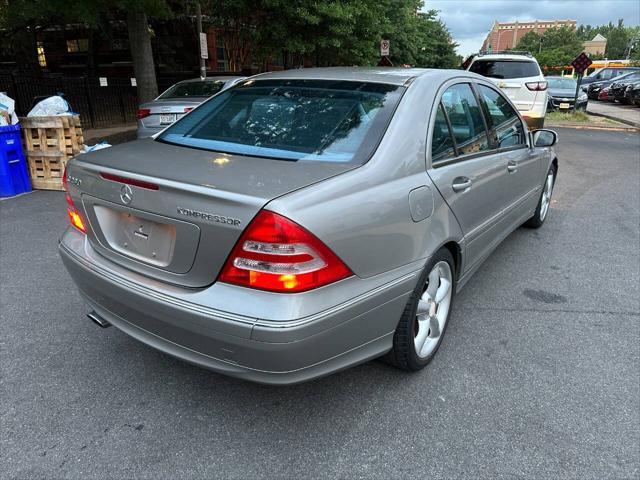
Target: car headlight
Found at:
582, 96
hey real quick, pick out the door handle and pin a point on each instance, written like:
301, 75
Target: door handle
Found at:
512, 166
460, 183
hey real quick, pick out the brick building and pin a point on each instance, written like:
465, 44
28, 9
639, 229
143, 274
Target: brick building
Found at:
506, 35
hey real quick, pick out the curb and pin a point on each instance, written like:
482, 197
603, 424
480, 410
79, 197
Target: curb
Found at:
582, 126
617, 119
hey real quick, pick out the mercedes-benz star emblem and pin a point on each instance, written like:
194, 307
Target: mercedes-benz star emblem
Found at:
126, 195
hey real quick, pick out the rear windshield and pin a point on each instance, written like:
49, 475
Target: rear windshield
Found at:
193, 89
561, 83
505, 68
336, 121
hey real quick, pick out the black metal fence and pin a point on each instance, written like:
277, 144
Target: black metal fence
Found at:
100, 105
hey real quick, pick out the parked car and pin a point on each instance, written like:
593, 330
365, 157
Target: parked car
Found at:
178, 100
604, 94
304, 221
562, 92
594, 88
634, 94
618, 90
606, 73
520, 77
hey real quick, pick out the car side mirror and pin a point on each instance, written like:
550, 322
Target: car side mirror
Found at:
544, 138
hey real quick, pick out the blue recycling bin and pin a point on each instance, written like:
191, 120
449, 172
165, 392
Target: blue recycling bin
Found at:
14, 177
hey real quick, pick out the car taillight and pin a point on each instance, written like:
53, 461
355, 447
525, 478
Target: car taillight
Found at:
74, 216
187, 109
143, 112
276, 254
536, 86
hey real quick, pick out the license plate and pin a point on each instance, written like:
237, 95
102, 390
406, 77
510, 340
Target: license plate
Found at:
167, 118
565, 105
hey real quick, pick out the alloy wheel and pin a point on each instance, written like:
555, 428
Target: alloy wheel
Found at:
433, 309
546, 196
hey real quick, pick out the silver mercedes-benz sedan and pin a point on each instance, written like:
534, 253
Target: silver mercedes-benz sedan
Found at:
177, 101
305, 221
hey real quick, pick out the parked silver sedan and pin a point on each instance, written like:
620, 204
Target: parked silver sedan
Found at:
305, 221
178, 100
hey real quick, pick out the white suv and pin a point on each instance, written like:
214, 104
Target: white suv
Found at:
519, 76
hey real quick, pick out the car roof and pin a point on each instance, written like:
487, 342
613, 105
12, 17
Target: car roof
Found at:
505, 57
224, 78
388, 75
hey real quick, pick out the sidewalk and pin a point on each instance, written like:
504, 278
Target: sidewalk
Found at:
113, 135
622, 113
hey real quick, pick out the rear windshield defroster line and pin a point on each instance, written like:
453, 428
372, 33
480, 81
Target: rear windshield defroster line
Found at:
322, 120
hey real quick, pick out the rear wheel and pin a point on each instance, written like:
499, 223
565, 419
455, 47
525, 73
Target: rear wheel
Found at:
424, 320
542, 209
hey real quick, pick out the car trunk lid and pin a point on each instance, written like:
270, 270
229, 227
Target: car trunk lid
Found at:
164, 112
174, 213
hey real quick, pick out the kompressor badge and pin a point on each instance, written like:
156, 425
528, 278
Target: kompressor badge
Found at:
187, 212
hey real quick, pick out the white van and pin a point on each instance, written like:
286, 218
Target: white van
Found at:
520, 77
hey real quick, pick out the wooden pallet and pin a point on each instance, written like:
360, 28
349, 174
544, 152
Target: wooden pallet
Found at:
50, 142
46, 169
52, 134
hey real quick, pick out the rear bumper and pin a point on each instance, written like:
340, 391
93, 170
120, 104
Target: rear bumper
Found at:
144, 132
249, 348
535, 116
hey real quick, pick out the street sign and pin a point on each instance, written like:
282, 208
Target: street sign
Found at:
384, 48
581, 63
204, 51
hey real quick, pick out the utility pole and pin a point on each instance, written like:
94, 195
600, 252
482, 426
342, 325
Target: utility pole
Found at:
203, 68
630, 46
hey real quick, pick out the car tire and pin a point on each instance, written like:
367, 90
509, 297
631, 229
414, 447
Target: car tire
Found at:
544, 203
426, 327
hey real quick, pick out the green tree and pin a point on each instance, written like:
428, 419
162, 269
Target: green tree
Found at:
619, 37
557, 47
436, 49
530, 42
331, 32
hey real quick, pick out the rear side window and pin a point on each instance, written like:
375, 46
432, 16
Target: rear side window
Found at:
466, 119
606, 74
441, 143
336, 121
505, 126
505, 68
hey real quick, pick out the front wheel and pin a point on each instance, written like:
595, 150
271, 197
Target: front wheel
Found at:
542, 209
424, 320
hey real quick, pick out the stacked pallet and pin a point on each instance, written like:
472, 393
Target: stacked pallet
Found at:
50, 142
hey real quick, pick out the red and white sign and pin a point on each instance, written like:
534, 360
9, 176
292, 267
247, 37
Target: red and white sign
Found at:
384, 48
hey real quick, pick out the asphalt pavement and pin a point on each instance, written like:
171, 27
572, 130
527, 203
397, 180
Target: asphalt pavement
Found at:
538, 375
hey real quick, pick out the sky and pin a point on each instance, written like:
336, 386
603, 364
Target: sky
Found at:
469, 21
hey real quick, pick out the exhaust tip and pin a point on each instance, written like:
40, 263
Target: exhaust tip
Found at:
98, 320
